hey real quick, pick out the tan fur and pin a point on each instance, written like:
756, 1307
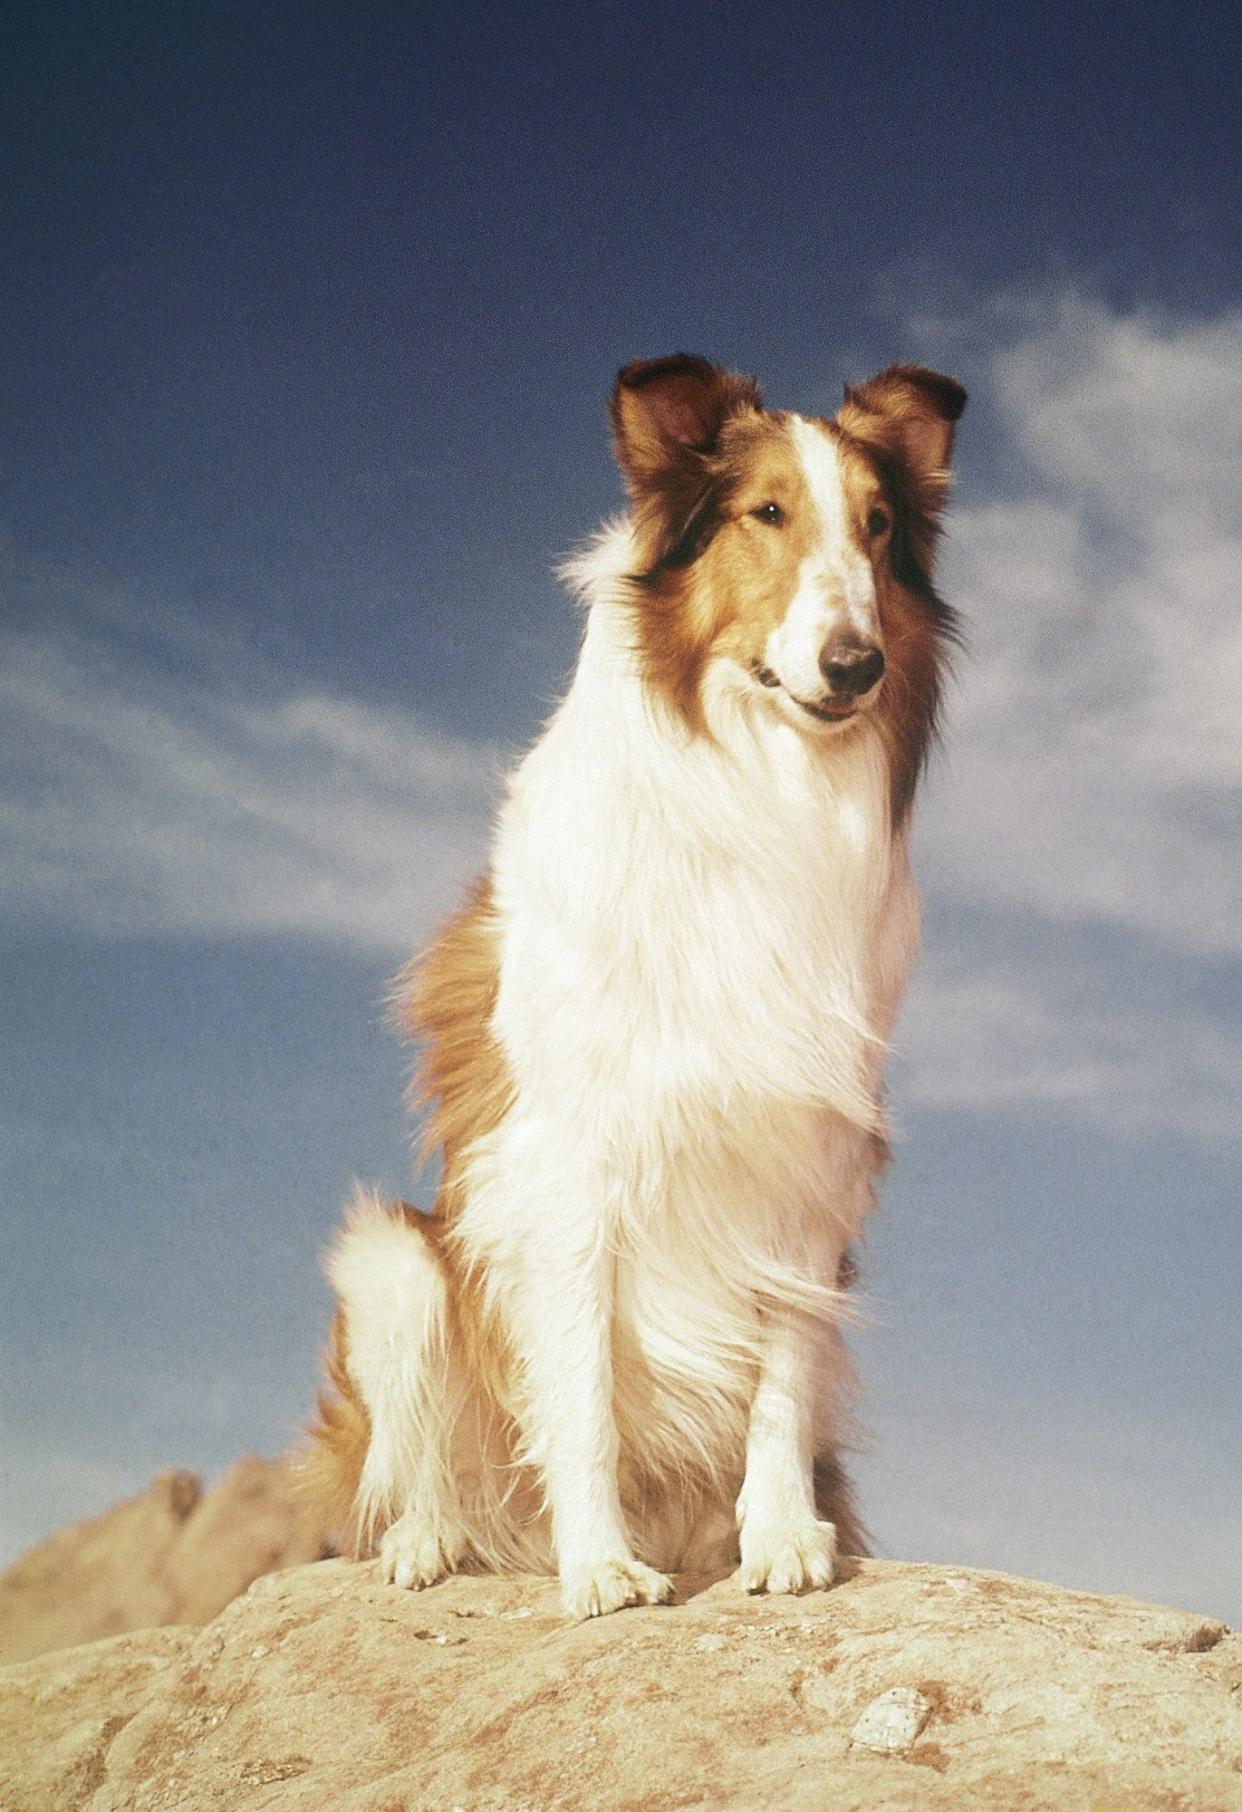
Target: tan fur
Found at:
444, 998
330, 1466
750, 569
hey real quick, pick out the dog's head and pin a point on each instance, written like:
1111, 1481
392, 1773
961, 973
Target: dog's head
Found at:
797, 550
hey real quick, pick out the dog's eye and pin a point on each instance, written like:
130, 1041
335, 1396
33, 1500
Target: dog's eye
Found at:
878, 523
771, 513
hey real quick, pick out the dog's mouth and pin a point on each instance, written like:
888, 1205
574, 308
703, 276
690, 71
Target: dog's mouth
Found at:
829, 711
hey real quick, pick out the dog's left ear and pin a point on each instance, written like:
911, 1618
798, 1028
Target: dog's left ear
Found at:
909, 410
908, 413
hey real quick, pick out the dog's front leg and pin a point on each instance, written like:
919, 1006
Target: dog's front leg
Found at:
784, 1545
564, 1334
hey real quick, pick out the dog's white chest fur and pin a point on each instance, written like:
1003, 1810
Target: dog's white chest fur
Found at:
696, 930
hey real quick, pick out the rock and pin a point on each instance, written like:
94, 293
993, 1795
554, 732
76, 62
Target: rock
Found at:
60, 1715
321, 1687
173, 1555
891, 1722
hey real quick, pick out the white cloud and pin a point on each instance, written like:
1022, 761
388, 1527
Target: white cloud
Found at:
1095, 767
1048, 1036
1139, 411
1093, 774
145, 796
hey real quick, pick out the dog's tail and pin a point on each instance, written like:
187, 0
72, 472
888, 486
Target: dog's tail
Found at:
330, 1467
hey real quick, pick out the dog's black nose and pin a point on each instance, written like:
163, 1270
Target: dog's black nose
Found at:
851, 667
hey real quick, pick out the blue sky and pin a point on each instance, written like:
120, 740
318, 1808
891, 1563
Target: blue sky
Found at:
309, 319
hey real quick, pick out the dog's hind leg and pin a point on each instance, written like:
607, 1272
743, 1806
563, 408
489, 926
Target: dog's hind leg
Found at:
403, 1360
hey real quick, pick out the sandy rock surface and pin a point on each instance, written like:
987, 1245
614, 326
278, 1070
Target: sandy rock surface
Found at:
176, 1554
905, 1686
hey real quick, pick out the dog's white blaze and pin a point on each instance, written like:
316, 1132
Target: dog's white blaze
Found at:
836, 587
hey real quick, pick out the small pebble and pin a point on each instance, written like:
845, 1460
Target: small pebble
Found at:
712, 1640
892, 1722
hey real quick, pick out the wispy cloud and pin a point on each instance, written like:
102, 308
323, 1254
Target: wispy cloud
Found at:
198, 796
1096, 753
1066, 1038
1092, 786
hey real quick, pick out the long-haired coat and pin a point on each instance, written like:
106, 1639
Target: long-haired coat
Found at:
653, 1040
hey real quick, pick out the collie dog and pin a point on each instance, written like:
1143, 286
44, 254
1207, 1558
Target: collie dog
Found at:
652, 1041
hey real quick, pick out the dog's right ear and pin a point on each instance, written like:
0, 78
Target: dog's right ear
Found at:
666, 412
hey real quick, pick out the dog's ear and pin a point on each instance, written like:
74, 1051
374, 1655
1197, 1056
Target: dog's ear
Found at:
667, 415
911, 412
907, 414
666, 411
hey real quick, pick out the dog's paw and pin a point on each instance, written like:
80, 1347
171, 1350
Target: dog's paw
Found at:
417, 1551
608, 1585
787, 1559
